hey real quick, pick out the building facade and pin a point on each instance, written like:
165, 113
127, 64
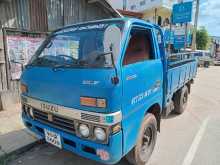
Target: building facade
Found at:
47, 15
155, 11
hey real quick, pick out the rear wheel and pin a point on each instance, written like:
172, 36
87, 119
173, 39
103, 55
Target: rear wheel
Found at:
180, 100
141, 153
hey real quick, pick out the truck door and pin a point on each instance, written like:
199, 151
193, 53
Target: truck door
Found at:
142, 80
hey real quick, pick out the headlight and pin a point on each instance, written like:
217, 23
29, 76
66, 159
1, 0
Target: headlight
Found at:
31, 112
84, 130
99, 134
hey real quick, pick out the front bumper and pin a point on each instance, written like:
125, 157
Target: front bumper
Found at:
84, 148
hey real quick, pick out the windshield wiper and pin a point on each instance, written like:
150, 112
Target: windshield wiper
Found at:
115, 79
36, 62
105, 54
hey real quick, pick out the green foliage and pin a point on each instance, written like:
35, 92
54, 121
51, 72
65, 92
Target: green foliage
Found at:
202, 39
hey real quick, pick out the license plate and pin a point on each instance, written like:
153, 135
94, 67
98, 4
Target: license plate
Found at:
53, 138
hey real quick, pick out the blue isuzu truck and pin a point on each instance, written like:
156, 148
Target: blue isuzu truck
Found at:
99, 89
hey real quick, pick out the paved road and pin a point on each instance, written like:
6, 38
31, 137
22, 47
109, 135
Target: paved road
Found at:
189, 139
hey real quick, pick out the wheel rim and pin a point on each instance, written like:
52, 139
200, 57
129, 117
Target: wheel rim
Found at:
146, 143
185, 98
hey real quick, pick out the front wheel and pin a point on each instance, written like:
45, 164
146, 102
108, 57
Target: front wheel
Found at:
146, 141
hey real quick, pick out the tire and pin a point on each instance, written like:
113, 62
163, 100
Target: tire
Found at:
180, 100
147, 134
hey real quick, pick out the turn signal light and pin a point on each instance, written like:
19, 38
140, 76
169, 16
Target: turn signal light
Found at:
93, 102
116, 128
24, 88
87, 101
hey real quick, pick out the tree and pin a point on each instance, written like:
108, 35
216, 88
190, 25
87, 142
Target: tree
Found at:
202, 39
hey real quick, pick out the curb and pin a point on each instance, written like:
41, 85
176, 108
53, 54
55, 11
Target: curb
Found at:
7, 156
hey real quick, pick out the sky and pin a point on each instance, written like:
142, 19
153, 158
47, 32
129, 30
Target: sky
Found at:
209, 16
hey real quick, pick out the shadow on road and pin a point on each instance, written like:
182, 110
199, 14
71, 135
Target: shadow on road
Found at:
45, 154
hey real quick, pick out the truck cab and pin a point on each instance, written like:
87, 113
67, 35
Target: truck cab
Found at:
98, 89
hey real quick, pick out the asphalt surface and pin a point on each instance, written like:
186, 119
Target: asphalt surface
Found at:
192, 138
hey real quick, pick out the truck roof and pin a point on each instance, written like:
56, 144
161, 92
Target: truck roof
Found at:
124, 19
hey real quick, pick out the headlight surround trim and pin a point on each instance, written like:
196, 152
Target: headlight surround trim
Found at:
92, 127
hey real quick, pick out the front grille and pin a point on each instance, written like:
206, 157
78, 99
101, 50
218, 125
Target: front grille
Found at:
89, 117
57, 121
65, 124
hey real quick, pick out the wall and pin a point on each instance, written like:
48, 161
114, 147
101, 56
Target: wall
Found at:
149, 15
142, 5
66, 12
117, 4
14, 13
44, 15
3, 77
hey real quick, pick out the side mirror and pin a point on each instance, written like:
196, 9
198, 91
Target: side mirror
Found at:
112, 43
112, 40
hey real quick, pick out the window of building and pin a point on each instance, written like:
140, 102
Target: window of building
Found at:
142, 3
140, 47
133, 7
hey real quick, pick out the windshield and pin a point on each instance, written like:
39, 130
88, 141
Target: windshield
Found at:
93, 45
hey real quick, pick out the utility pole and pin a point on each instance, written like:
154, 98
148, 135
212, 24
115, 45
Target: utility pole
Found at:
195, 26
155, 15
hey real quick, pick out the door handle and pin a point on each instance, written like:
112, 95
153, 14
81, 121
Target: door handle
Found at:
131, 77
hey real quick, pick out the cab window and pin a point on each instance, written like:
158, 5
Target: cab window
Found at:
140, 47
